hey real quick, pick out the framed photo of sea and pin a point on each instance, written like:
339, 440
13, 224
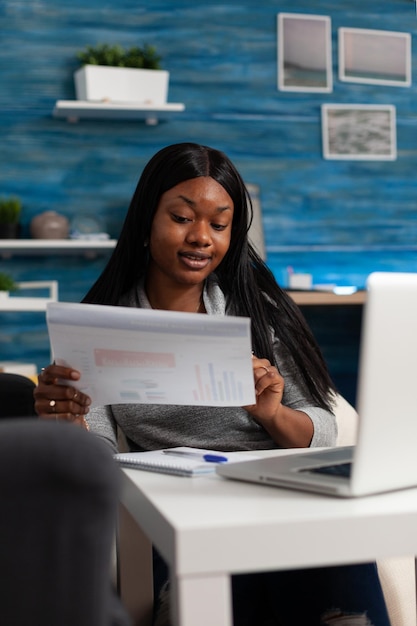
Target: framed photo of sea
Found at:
376, 57
304, 48
365, 132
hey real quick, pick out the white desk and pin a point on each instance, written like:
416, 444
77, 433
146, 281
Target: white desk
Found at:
208, 528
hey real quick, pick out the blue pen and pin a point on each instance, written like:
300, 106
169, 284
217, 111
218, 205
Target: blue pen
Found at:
209, 458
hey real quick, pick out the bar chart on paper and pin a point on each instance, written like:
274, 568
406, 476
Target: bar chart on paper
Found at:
221, 386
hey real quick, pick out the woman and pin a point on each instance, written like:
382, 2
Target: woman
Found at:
184, 247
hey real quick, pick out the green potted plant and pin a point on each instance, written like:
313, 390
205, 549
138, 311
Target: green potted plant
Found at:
116, 56
110, 73
10, 211
7, 284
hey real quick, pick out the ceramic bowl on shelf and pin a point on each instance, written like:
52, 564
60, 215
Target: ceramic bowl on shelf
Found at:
49, 225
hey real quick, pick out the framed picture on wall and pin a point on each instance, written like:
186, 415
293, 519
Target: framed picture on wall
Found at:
359, 132
374, 56
304, 48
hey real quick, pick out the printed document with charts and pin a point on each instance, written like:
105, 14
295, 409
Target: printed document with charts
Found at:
133, 356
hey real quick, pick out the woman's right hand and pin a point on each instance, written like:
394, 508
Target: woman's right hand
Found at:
58, 401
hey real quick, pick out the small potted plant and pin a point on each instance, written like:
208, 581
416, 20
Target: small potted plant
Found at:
115, 56
110, 73
7, 284
10, 211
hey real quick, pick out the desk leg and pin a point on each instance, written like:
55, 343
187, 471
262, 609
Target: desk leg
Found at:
202, 600
135, 570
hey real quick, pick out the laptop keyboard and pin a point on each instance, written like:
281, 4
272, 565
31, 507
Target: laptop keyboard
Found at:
338, 469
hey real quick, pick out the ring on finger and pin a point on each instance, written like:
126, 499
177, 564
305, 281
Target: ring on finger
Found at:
52, 404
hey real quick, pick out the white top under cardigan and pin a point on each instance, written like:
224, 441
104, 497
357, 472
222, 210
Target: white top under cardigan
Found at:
151, 426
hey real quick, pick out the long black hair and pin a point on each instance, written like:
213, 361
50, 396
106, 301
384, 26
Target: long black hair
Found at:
249, 286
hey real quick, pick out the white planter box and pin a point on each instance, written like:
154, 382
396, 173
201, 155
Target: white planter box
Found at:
100, 83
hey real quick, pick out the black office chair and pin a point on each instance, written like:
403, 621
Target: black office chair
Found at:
59, 489
16, 396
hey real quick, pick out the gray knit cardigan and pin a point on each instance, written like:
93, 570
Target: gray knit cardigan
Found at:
151, 426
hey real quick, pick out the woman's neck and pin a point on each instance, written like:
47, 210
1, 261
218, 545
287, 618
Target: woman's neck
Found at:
188, 300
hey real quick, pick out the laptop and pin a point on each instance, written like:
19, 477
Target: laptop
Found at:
385, 455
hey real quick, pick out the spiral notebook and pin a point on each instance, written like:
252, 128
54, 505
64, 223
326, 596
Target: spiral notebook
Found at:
181, 460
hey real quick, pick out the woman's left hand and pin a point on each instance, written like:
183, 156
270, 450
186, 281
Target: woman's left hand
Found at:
269, 389
289, 428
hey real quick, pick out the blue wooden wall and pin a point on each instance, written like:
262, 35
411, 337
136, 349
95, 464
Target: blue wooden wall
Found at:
338, 220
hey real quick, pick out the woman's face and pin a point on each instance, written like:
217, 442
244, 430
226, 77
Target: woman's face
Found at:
190, 232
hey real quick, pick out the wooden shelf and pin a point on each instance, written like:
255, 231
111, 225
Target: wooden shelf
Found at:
29, 247
317, 298
91, 248
74, 110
